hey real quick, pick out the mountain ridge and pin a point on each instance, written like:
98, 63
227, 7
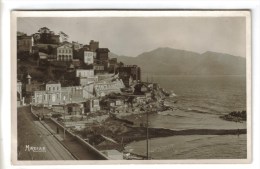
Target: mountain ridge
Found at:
169, 61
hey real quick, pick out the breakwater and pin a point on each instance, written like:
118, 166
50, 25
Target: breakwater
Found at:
139, 133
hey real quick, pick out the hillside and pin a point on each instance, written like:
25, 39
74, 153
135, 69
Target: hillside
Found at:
180, 62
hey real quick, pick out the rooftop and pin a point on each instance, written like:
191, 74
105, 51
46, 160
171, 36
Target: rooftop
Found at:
52, 82
102, 50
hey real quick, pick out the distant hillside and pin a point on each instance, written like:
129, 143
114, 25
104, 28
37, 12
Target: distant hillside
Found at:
180, 62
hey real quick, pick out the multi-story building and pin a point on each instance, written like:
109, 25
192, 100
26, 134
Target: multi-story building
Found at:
89, 57
54, 94
85, 77
102, 55
64, 53
128, 72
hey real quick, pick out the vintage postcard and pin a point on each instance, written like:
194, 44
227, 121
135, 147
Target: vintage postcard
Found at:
102, 87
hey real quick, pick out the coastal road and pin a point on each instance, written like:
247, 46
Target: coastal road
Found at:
35, 142
81, 152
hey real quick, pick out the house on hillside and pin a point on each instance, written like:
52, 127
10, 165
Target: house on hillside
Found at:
64, 53
127, 71
102, 56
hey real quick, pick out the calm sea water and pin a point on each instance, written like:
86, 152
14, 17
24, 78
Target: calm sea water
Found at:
200, 102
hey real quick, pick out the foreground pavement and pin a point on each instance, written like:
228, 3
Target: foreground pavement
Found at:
35, 142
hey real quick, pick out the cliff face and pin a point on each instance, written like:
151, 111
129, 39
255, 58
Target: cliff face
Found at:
170, 61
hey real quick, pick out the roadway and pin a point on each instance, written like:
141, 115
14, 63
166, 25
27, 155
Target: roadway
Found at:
32, 133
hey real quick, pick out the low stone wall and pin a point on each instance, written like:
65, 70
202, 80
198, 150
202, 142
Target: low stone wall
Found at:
84, 143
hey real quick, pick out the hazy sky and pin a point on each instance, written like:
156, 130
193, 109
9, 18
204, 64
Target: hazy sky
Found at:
133, 36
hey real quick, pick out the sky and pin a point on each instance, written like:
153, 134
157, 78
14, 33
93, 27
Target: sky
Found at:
134, 35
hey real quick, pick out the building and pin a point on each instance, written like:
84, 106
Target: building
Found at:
76, 46
52, 58
33, 86
84, 54
74, 109
89, 57
54, 94
24, 44
99, 68
84, 73
105, 88
129, 71
67, 44
51, 95
141, 89
73, 93
93, 45
53, 86
102, 56
112, 65
43, 56
92, 105
85, 77
64, 53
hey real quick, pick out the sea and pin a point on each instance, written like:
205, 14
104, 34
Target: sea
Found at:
197, 102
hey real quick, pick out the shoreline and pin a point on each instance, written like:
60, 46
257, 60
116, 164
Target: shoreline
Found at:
124, 133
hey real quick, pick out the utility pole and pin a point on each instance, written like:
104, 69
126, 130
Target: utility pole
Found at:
147, 137
64, 117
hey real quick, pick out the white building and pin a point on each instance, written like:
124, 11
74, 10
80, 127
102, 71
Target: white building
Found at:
84, 73
89, 57
104, 88
64, 53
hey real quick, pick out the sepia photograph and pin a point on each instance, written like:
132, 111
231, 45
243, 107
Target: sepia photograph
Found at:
131, 87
